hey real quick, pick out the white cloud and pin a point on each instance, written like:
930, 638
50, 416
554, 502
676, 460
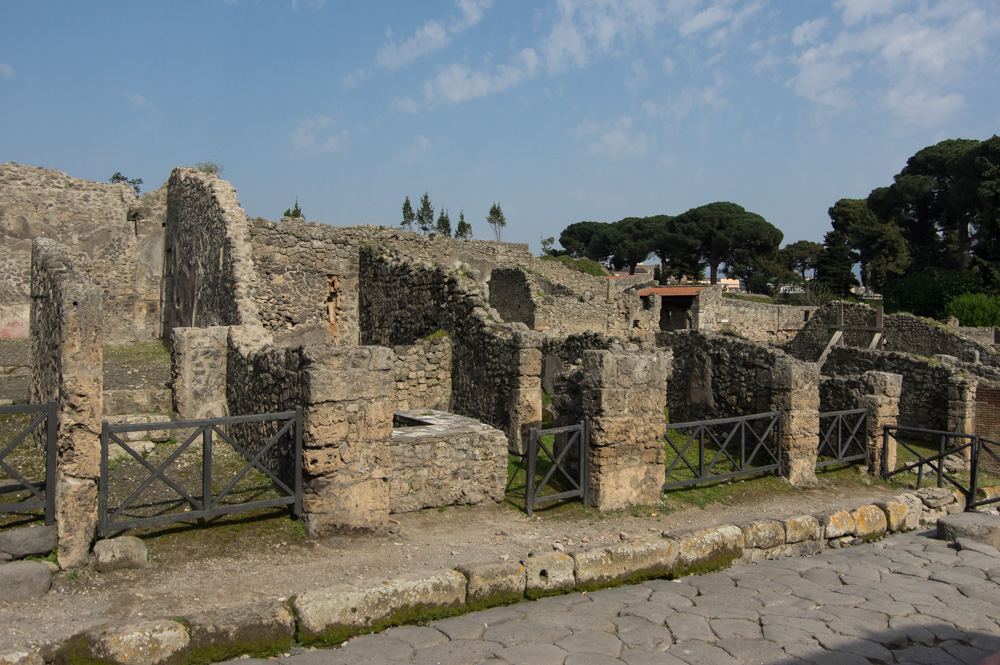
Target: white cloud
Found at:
456, 83
613, 140
315, 135
429, 37
809, 31
423, 143
669, 66
308, 4
136, 99
704, 20
355, 78
6, 71
638, 79
918, 50
472, 13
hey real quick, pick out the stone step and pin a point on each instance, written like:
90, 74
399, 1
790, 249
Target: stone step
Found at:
158, 435
124, 402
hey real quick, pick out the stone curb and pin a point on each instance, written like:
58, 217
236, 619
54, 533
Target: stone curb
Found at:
332, 615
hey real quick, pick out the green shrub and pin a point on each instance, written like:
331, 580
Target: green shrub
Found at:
974, 309
584, 265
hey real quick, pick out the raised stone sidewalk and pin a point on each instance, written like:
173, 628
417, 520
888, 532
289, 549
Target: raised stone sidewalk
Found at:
916, 569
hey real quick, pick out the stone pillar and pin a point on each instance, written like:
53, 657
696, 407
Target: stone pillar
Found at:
962, 409
624, 394
198, 358
347, 433
795, 390
67, 365
881, 398
525, 402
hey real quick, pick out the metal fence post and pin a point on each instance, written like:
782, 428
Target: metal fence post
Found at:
50, 462
102, 485
297, 506
529, 479
206, 468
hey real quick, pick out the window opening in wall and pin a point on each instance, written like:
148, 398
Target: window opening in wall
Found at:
805, 316
647, 302
332, 301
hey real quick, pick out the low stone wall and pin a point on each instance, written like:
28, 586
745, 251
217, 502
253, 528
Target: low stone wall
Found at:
66, 365
763, 322
986, 335
423, 373
440, 459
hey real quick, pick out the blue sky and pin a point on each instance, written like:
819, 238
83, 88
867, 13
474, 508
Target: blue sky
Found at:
560, 111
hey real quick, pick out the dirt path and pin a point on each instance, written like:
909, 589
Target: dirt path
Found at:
226, 565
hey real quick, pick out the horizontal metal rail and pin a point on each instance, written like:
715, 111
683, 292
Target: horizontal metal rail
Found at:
934, 462
208, 503
42, 490
843, 437
732, 441
560, 455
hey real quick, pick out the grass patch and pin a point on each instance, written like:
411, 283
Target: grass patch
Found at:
584, 265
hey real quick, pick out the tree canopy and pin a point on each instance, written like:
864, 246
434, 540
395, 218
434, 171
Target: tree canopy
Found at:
727, 233
497, 221
425, 215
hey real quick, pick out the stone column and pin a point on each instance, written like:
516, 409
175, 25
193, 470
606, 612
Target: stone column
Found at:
881, 398
795, 390
624, 394
347, 433
198, 358
67, 365
525, 402
962, 409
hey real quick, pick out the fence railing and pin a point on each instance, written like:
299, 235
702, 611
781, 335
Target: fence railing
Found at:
566, 453
41, 433
843, 437
970, 457
204, 501
724, 448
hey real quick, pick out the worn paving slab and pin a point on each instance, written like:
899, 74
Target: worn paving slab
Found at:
775, 612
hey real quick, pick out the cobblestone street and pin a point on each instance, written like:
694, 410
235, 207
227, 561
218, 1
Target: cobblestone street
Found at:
906, 599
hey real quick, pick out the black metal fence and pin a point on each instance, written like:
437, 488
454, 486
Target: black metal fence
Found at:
714, 450
41, 433
959, 460
843, 437
566, 453
186, 502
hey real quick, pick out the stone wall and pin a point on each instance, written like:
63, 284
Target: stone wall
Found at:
199, 372
120, 236
208, 264
624, 394
763, 322
440, 459
423, 373
983, 335
513, 294
903, 333
66, 364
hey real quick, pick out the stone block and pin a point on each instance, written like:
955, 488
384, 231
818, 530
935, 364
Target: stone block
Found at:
836, 524
330, 615
896, 513
706, 550
763, 534
76, 517
21, 580
870, 522
883, 383
935, 497
801, 528
547, 574
28, 541
122, 552
260, 628
492, 584
333, 504
162, 642
20, 657
914, 510
617, 487
624, 562
980, 527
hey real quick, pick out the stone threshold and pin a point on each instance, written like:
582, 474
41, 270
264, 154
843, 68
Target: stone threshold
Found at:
335, 614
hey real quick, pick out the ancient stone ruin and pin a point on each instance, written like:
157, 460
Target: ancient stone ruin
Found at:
420, 361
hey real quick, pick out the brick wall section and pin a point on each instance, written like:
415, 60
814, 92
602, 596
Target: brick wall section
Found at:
66, 364
988, 411
623, 393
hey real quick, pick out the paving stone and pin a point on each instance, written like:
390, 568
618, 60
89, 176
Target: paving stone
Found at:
962, 619
889, 608
625, 594
968, 545
784, 600
963, 652
456, 652
818, 656
986, 591
577, 621
592, 642
636, 633
923, 630
872, 651
686, 627
590, 659
921, 655
700, 653
497, 615
956, 577
514, 633
810, 626
672, 601
784, 635
379, 647
22, 580
822, 597
725, 629
721, 610
754, 651
639, 657
317, 657
460, 628
652, 612
822, 576
535, 654
866, 592
418, 637
671, 586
